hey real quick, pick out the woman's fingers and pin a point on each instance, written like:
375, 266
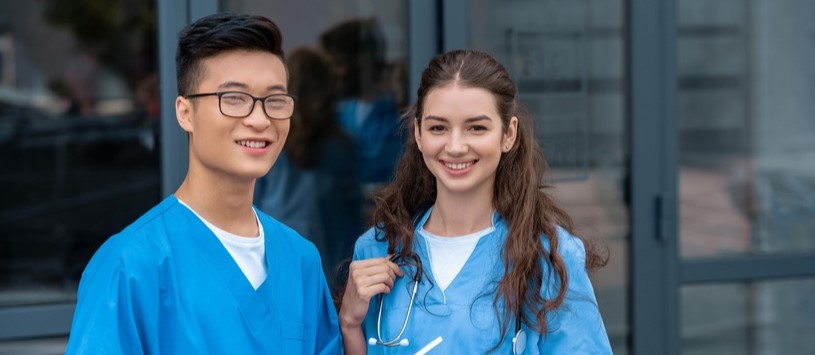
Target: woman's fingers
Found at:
366, 279
364, 268
382, 278
372, 276
374, 290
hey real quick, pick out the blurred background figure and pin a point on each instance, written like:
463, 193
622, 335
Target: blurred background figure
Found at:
367, 107
313, 187
7, 77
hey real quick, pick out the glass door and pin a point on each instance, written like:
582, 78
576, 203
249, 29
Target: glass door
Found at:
746, 176
722, 171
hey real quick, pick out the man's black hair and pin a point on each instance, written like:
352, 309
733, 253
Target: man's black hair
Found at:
218, 33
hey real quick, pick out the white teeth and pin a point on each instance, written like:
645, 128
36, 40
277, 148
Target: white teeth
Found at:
458, 166
253, 144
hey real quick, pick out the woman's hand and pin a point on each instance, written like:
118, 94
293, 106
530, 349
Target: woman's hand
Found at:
366, 279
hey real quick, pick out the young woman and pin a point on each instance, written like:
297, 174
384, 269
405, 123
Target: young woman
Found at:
469, 255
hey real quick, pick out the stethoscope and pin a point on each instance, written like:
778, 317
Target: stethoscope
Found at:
398, 341
518, 341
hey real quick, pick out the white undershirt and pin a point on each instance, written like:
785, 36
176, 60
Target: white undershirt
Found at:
249, 252
449, 254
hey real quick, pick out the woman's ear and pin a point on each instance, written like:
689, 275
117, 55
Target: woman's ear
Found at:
511, 135
417, 132
183, 113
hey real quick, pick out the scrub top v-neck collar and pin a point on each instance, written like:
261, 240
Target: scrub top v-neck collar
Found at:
487, 244
251, 301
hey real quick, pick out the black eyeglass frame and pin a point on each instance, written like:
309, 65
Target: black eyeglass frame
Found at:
255, 99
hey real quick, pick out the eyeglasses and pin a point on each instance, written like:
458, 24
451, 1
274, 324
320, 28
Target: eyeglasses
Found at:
238, 104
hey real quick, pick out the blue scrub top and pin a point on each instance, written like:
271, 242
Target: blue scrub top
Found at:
166, 284
463, 315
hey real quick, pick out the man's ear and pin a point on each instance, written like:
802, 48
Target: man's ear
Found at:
417, 133
183, 113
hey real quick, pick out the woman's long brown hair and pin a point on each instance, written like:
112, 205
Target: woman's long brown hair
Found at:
519, 197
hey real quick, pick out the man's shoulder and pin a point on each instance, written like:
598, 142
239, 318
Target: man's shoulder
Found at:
285, 236
141, 241
151, 218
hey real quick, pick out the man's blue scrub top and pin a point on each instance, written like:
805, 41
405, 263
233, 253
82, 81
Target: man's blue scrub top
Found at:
166, 284
463, 314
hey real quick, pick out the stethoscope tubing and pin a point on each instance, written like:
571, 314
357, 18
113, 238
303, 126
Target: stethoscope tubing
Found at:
398, 339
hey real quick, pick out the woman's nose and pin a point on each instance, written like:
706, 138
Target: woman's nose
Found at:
457, 145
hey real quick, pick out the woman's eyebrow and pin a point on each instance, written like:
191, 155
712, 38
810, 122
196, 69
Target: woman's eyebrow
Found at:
468, 120
478, 118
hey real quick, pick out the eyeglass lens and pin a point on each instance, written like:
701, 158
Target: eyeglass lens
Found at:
238, 104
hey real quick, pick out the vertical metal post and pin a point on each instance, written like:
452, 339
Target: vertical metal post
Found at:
422, 39
172, 17
455, 33
652, 109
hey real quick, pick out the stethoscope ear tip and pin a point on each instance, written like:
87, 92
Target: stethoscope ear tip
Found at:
371, 341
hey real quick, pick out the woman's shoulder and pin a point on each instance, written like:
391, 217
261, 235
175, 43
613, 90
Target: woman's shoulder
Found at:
371, 244
569, 246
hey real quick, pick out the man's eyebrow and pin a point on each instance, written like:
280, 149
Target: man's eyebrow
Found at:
233, 84
239, 85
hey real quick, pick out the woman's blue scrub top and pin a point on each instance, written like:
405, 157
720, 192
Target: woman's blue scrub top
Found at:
166, 284
463, 315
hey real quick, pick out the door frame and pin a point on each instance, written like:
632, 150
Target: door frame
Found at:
657, 270
652, 84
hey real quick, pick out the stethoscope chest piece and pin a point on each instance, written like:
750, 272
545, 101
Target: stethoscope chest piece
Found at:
519, 342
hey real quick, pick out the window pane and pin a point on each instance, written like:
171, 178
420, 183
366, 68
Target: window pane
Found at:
344, 140
568, 59
79, 112
774, 317
747, 173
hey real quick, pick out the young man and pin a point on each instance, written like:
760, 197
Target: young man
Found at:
204, 272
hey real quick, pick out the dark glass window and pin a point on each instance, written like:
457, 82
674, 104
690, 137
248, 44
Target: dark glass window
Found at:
79, 114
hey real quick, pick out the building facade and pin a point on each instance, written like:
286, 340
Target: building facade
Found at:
679, 134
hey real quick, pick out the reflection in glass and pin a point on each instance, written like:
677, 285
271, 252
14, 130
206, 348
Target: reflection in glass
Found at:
367, 109
747, 173
773, 317
348, 69
568, 60
79, 112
